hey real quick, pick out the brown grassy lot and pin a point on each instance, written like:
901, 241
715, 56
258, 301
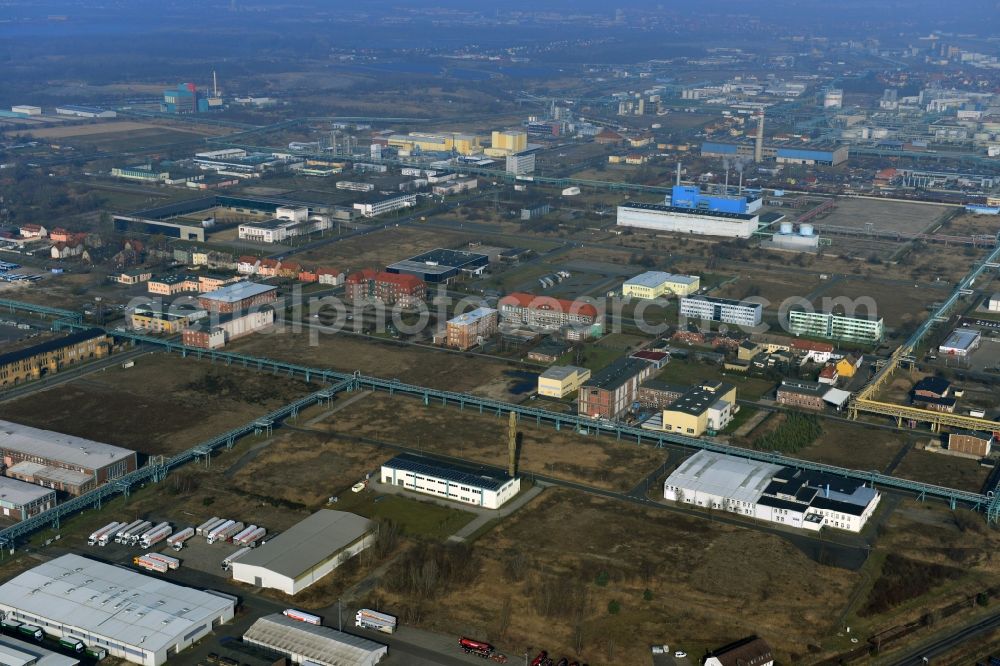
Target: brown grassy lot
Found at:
853, 446
708, 584
596, 461
114, 127
163, 405
382, 247
382, 358
943, 470
885, 215
896, 304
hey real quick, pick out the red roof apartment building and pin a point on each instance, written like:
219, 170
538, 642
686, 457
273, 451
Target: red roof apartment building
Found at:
390, 288
546, 313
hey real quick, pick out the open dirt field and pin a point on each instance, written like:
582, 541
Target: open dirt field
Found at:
943, 470
707, 584
884, 215
383, 358
114, 127
853, 446
382, 247
596, 461
896, 304
162, 405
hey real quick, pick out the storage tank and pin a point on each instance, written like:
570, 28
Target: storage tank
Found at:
786, 228
806, 230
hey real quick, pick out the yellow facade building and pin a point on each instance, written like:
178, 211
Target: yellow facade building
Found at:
463, 144
561, 380
654, 284
510, 142
703, 409
152, 318
52, 356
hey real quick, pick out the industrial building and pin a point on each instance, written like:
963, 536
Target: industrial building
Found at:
78, 111
389, 288
62, 462
863, 330
134, 617
440, 265
708, 408
508, 142
611, 392
186, 98
786, 495
20, 499
382, 204
664, 218
545, 313
961, 343
26, 110
829, 155
306, 552
289, 222
52, 356
238, 296
805, 394
155, 318
479, 486
561, 380
750, 651
520, 164
654, 284
471, 328
217, 331
993, 304
305, 643
724, 310
170, 285
804, 240
422, 142
20, 653
972, 444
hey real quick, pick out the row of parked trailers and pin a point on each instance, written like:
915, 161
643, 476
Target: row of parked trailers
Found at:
142, 533
67, 643
232, 531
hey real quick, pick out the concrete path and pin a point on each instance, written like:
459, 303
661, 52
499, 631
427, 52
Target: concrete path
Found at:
486, 515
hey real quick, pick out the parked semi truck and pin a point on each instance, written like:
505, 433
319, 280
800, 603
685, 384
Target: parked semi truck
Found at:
96, 653
252, 538
125, 529
228, 562
213, 535
32, 631
226, 533
369, 619
156, 535
96, 536
70, 643
478, 648
150, 564
176, 541
171, 562
246, 531
205, 527
131, 537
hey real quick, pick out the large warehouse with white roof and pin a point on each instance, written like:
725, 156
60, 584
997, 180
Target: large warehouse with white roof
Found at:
309, 550
135, 617
306, 643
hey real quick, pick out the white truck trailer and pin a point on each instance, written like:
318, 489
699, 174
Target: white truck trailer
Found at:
96, 536
252, 538
211, 535
203, 529
171, 562
369, 619
227, 533
125, 529
228, 562
155, 536
176, 541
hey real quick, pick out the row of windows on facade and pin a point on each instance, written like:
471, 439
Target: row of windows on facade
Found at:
443, 483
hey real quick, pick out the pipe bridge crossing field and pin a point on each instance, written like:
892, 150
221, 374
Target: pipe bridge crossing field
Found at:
338, 382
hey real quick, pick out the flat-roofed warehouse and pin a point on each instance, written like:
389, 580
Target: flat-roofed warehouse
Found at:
308, 643
300, 556
64, 462
484, 487
19, 499
135, 617
441, 265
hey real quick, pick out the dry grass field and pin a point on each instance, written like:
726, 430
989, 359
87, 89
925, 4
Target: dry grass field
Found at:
382, 247
162, 405
388, 359
853, 446
597, 461
561, 561
943, 470
884, 215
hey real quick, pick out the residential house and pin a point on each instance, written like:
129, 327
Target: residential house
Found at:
828, 375
65, 250
330, 276
33, 231
849, 365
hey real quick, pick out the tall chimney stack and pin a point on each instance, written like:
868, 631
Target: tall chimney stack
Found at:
758, 149
678, 173
512, 444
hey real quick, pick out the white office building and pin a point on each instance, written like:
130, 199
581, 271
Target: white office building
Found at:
482, 487
381, 205
134, 617
798, 498
520, 164
705, 308
961, 342
993, 304
659, 217
865, 330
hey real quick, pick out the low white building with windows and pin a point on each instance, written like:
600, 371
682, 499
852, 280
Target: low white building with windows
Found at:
798, 498
484, 487
134, 617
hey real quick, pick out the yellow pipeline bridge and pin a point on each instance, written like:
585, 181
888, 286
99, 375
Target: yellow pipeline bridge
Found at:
864, 400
